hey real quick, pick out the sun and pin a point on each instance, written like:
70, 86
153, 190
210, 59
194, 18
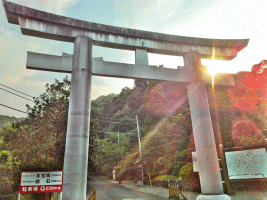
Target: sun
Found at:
212, 71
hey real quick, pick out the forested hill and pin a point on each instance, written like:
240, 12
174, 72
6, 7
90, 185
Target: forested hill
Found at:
6, 120
164, 120
165, 124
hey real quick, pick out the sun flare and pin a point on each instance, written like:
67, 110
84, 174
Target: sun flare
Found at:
212, 71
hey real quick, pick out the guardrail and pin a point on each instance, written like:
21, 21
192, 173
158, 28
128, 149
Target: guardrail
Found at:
174, 192
93, 196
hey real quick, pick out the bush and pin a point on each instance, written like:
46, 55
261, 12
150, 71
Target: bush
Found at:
164, 180
190, 179
32, 196
165, 177
186, 171
5, 157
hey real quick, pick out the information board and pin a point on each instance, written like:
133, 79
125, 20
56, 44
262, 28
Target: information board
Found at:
247, 164
37, 182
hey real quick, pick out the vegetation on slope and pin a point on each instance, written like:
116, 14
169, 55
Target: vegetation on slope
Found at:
238, 113
6, 120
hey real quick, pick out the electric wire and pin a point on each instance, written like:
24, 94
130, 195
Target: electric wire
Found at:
16, 94
112, 121
112, 132
13, 108
116, 122
105, 117
16, 90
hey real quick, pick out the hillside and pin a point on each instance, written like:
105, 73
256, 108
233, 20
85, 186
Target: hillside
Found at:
238, 111
164, 122
6, 120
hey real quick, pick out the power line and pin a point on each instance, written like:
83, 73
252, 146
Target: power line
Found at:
16, 94
16, 90
105, 117
102, 120
116, 122
13, 108
112, 132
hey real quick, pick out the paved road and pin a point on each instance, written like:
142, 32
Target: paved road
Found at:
108, 190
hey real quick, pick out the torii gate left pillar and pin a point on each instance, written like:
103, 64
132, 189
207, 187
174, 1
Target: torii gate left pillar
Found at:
77, 138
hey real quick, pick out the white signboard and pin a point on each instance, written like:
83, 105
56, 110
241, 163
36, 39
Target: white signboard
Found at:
41, 178
247, 164
35, 182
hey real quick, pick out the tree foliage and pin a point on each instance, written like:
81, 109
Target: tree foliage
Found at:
238, 113
40, 144
6, 120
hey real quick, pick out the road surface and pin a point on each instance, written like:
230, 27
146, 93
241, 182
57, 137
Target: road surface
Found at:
107, 190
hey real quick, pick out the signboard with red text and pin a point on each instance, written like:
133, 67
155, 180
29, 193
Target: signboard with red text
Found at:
38, 182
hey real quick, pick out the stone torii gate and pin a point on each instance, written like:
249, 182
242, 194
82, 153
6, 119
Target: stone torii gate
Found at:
82, 66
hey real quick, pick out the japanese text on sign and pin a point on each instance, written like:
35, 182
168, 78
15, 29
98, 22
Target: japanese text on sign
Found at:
247, 164
36, 182
41, 178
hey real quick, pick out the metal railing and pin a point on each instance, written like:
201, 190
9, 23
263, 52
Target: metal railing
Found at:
93, 195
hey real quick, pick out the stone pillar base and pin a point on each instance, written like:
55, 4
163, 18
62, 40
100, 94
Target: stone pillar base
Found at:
213, 197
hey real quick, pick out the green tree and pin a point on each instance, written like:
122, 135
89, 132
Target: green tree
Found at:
94, 147
120, 100
40, 145
5, 156
54, 101
112, 151
123, 124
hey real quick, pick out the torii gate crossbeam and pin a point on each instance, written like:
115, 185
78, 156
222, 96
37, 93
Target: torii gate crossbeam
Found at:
85, 35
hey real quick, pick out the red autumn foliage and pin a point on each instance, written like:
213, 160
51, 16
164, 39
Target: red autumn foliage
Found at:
246, 134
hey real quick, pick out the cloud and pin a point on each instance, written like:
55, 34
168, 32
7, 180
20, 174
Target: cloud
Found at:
106, 85
14, 47
143, 14
60, 7
41, 76
188, 4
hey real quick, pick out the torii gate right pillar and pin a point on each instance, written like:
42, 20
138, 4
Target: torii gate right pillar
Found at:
209, 170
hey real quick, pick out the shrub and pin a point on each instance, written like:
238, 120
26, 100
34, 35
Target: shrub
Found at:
186, 171
165, 177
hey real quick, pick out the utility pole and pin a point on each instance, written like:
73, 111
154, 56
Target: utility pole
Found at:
119, 147
139, 141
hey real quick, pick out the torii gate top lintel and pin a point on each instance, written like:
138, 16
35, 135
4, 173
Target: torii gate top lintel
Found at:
38, 23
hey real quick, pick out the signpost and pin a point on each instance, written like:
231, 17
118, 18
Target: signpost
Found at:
41, 182
114, 174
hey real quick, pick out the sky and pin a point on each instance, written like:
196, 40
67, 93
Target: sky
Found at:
221, 19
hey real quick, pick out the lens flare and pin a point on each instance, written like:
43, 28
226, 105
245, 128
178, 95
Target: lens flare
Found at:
212, 70
165, 98
245, 94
